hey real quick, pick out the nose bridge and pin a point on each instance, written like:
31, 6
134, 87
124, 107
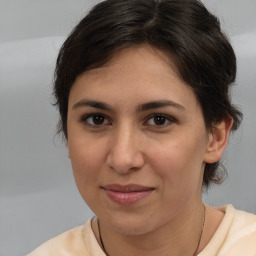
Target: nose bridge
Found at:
125, 153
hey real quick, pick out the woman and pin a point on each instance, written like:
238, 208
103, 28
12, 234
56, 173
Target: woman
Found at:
143, 88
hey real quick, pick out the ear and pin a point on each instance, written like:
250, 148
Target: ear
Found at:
218, 140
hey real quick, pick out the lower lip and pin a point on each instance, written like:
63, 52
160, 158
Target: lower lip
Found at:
127, 198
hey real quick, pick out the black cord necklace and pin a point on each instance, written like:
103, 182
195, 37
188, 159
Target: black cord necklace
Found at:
101, 242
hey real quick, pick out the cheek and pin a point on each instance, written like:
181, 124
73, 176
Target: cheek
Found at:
87, 160
179, 163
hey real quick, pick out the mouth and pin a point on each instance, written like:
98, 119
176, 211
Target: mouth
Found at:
127, 194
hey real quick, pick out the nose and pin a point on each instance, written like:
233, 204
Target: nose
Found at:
125, 153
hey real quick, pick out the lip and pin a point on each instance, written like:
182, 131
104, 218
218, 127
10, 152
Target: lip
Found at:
127, 194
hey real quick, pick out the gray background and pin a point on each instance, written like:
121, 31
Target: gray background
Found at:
38, 197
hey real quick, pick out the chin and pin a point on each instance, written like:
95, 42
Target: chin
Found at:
131, 225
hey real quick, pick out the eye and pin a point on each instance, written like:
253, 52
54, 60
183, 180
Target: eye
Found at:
95, 120
160, 120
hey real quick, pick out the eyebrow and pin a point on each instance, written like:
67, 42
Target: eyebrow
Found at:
143, 107
159, 104
93, 104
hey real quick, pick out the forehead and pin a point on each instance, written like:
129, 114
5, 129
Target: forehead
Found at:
133, 74
138, 56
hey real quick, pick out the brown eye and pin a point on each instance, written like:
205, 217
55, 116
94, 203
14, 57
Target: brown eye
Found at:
95, 120
98, 120
160, 120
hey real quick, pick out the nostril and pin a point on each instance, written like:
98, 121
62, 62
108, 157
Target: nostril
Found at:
124, 162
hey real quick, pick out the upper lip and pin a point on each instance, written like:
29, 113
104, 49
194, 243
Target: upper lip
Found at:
127, 188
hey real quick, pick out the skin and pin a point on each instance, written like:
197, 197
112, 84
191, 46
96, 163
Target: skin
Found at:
128, 145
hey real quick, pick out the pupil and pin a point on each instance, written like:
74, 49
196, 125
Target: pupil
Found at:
159, 120
98, 120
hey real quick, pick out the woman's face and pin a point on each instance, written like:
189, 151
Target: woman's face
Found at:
137, 141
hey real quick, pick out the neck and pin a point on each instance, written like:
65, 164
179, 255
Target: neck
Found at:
178, 237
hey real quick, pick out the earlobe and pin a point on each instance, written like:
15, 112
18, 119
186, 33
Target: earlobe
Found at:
218, 140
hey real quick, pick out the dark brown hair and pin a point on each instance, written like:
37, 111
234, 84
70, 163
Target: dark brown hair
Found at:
184, 30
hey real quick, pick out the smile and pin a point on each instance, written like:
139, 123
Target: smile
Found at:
127, 194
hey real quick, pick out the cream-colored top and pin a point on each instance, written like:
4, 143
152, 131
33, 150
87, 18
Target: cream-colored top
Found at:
236, 236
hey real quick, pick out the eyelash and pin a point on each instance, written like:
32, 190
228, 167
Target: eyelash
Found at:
166, 118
